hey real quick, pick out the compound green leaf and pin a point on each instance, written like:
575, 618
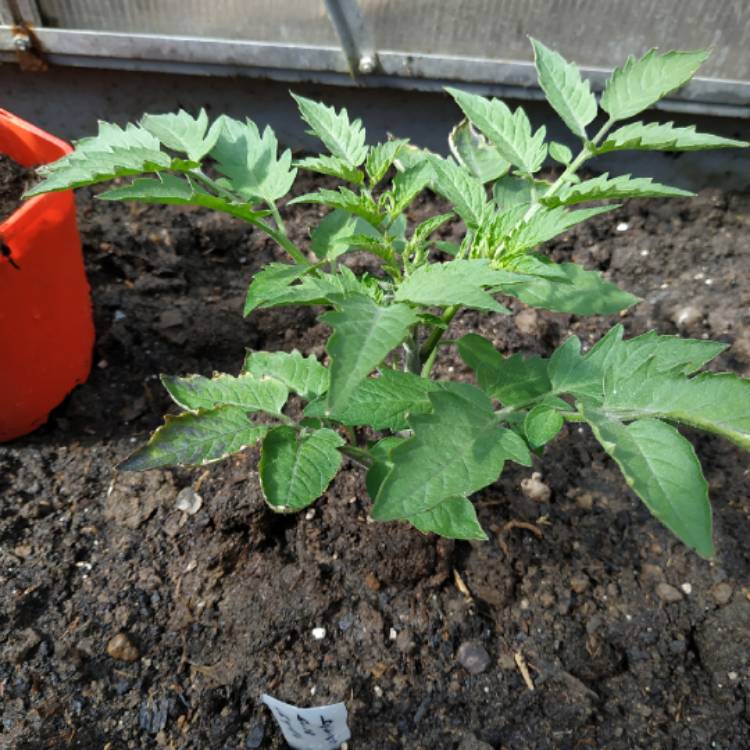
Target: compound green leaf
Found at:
364, 333
343, 198
165, 188
456, 450
183, 132
568, 94
661, 353
251, 162
271, 283
514, 381
325, 288
465, 192
381, 455
715, 402
344, 139
510, 132
425, 229
383, 403
510, 191
113, 152
640, 83
541, 425
662, 469
410, 156
648, 377
196, 439
333, 166
547, 224
295, 469
457, 282
560, 152
304, 375
536, 264
381, 157
407, 185
196, 392
169, 189
658, 136
454, 518
582, 374
605, 187
583, 293
473, 151
336, 232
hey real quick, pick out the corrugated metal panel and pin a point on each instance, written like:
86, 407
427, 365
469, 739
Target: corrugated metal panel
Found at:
594, 33
289, 21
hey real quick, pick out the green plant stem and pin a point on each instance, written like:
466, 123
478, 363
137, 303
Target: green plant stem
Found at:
412, 359
585, 154
277, 217
239, 210
350, 434
427, 352
281, 237
208, 182
505, 412
359, 455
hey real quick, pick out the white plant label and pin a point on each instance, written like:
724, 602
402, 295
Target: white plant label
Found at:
322, 728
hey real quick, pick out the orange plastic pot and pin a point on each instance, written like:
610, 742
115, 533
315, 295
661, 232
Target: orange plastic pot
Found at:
46, 325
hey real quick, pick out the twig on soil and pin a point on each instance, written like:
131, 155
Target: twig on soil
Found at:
523, 669
461, 586
199, 482
514, 524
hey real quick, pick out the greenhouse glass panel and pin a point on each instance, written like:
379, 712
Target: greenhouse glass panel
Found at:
285, 21
596, 33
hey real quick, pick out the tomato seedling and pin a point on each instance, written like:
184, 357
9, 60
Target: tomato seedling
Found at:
429, 444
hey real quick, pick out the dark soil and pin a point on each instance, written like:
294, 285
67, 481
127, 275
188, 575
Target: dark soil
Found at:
14, 179
629, 640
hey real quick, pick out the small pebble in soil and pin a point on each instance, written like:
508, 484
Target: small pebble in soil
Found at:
527, 322
23, 550
579, 583
535, 489
687, 588
668, 594
686, 316
470, 742
547, 599
120, 647
622, 227
188, 501
473, 657
255, 738
318, 633
722, 592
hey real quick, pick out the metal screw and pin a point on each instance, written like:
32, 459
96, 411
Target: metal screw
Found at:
21, 42
366, 64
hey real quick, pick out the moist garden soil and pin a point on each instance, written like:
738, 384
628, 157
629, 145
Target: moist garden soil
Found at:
14, 179
136, 615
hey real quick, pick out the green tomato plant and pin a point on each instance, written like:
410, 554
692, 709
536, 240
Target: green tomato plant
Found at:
429, 444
